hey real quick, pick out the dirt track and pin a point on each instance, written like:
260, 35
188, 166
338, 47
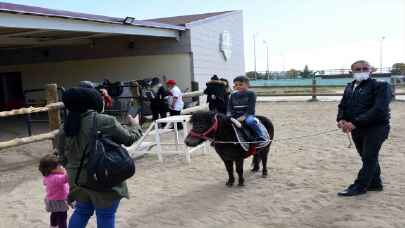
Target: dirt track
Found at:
304, 176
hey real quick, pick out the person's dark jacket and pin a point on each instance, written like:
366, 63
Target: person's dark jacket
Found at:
159, 102
367, 105
216, 94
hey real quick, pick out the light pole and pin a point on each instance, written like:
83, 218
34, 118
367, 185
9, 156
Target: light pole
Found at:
267, 55
381, 53
254, 53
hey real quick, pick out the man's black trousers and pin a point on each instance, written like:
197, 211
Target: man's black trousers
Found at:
159, 110
176, 113
368, 143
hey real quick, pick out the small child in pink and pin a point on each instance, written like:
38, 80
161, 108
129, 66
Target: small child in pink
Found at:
57, 189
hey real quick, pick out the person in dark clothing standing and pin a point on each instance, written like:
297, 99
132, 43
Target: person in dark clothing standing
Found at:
364, 111
223, 109
158, 102
216, 95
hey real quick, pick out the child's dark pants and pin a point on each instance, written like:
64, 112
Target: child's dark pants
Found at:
58, 219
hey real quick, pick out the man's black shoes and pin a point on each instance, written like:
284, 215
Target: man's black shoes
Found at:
376, 188
353, 190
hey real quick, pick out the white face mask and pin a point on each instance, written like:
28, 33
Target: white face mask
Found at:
361, 76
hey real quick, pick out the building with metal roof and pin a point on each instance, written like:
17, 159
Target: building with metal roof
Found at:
40, 46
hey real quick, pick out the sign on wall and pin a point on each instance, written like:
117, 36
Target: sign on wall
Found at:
226, 45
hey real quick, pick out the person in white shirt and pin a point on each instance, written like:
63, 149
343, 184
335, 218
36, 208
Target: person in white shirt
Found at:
175, 100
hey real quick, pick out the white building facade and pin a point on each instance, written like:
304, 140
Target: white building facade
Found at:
40, 46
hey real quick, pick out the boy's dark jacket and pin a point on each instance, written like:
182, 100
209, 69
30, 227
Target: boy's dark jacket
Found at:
242, 103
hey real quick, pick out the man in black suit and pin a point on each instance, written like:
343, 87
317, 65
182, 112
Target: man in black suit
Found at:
364, 111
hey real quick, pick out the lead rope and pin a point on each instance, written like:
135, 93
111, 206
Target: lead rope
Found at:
350, 140
284, 139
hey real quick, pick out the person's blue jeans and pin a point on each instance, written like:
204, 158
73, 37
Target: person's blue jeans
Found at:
258, 128
83, 212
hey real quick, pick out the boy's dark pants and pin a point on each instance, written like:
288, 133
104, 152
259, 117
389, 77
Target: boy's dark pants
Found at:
368, 143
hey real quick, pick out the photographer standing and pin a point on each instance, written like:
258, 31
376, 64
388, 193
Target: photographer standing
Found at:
364, 111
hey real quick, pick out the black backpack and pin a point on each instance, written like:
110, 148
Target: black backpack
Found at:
108, 164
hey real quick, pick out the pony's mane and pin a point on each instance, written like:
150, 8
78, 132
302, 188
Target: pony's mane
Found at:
207, 115
200, 115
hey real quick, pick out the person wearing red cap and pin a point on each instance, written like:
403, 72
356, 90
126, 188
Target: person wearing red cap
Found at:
175, 99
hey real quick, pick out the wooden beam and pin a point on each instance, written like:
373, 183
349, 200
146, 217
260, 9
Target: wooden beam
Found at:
193, 94
29, 110
194, 109
27, 140
53, 114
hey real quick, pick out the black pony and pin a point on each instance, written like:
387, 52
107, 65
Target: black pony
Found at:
218, 127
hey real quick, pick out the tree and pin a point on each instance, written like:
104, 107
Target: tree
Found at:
293, 73
306, 73
398, 68
251, 75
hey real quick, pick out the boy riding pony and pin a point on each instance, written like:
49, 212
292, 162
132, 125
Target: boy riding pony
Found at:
242, 105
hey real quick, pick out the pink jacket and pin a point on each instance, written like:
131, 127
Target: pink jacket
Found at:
57, 187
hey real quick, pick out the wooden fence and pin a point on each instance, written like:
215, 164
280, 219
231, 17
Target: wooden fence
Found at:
53, 108
314, 93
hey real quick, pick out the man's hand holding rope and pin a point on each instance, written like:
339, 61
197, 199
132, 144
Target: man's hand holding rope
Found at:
347, 127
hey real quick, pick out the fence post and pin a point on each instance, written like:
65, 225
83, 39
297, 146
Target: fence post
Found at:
137, 100
393, 85
54, 114
194, 87
314, 98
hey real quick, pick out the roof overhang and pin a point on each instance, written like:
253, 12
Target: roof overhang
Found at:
27, 30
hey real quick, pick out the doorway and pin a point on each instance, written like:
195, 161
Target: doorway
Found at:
11, 91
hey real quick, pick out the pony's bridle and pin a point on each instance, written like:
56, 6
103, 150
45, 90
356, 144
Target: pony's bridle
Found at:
213, 129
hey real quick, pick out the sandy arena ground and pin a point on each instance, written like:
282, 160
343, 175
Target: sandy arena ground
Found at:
305, 175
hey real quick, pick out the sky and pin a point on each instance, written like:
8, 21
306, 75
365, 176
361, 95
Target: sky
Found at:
323, 34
